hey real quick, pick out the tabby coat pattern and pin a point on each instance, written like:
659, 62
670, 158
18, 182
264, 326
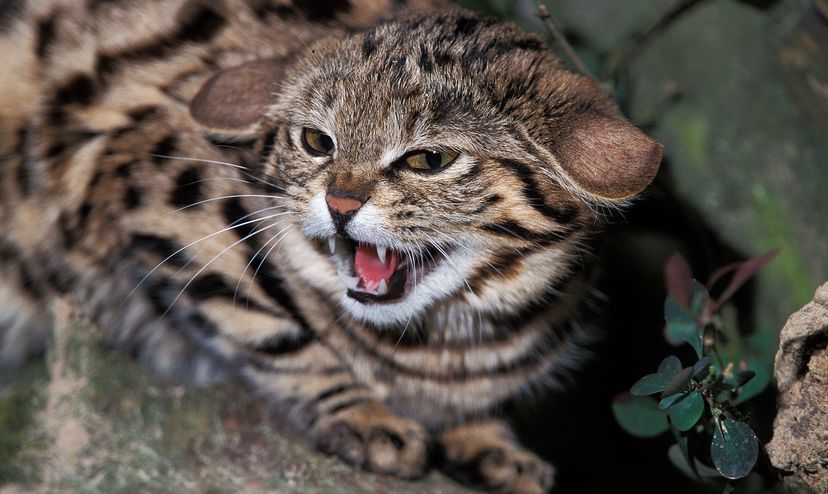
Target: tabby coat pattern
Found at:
375, 214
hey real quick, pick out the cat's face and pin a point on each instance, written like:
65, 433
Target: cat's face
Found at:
420, 156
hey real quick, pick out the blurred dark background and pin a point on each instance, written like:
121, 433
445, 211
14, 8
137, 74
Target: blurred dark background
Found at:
737, 91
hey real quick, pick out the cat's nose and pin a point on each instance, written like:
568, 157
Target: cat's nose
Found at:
342, 208
343, 204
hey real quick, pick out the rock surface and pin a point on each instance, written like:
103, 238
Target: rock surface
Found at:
800, 433
737, 91
91, 420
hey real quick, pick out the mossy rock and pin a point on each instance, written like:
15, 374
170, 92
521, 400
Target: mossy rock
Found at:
91, 420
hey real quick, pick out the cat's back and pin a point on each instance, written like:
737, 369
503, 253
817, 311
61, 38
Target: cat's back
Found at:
65, 58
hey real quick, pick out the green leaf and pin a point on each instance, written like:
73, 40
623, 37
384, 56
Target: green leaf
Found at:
700, 299
679, 461
681, 326
734, 448
670, 366
699, 470
737, 376
650, 384
701, 368
681, 440
722, 385
686, 412
667, 402
705, 471
753, 387
639, 415
680, 382
743, 376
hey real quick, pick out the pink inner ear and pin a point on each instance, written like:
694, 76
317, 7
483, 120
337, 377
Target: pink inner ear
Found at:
608, 157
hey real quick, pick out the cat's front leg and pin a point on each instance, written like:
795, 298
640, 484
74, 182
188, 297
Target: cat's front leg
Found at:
485, 455
342, 417
370, 436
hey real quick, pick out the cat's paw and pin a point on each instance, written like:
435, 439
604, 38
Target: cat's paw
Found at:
485, 455
368, 435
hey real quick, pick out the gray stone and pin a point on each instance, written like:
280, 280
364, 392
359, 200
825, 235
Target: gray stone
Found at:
800, 432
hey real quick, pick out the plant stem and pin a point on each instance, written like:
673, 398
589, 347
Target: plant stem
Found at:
561, 42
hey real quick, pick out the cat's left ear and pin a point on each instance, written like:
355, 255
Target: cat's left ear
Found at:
232, 102
606, 156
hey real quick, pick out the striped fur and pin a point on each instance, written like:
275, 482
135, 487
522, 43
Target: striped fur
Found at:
202, 248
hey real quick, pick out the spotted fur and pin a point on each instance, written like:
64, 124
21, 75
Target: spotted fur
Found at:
152, 169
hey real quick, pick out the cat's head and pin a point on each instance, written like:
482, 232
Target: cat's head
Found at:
447, 157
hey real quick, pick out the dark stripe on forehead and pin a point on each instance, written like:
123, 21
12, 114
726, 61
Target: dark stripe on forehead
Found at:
425, 60
466, 25
369, 45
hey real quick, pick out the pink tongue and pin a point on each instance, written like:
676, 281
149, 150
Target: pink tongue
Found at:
369, 267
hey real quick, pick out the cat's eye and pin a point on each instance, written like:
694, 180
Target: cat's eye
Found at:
430, 160
317, 143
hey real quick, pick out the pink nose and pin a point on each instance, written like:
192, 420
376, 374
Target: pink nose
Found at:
342, 205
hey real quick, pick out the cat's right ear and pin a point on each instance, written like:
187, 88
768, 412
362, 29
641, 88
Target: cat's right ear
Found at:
606, 156
232, 102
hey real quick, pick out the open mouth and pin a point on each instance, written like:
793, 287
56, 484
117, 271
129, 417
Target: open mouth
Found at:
379, 274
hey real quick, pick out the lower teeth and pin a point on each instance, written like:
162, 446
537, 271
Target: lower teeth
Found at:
349, 281
352, 283
382, 289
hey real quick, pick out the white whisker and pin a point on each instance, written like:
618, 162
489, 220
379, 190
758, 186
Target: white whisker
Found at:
237, 242
283, 232
247, 266
403, 333
230, 179
220, 198
245, 170
182, 249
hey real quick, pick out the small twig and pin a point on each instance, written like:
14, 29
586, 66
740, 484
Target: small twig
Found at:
561, 42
